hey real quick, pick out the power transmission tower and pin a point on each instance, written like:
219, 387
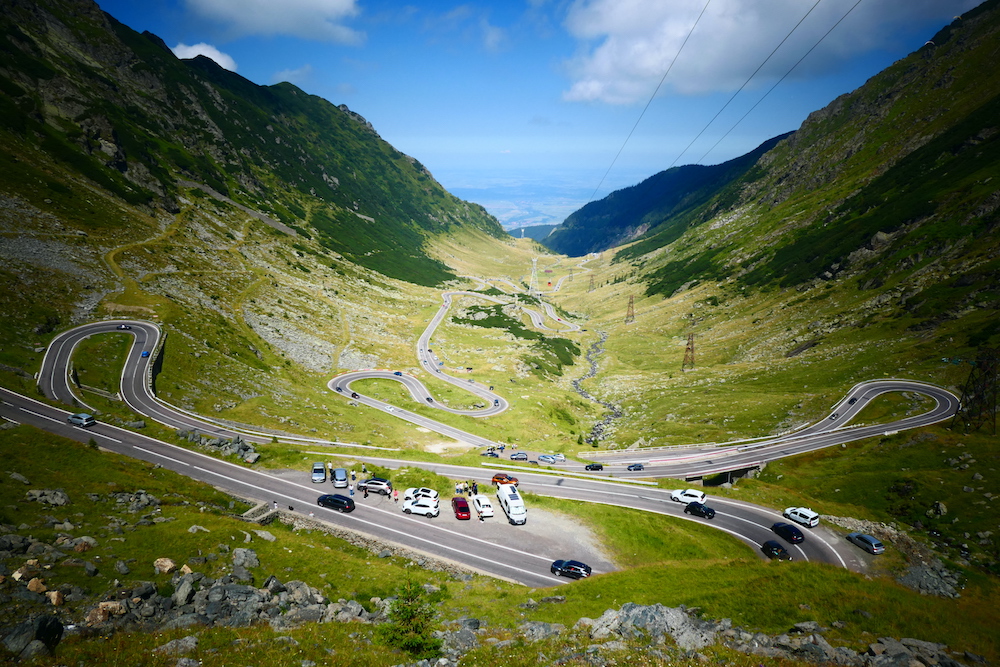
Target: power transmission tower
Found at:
571, 275
533, 286
979, 398
591, 283
689, 354
630, 315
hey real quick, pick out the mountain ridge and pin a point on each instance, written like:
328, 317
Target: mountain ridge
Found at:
122, 109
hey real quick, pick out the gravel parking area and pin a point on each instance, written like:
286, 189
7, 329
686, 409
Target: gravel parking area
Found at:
552, 535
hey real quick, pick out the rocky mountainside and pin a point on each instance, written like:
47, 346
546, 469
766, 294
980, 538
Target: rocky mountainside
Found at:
98, 100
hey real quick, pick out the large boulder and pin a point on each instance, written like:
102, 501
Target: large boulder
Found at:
656, 622
164, 565
245, 558
54, 497
48, 630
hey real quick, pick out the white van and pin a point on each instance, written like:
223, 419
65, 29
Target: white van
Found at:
511, 502
802, 515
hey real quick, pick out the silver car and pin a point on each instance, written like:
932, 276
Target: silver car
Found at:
319, 473
866, 542
81, 419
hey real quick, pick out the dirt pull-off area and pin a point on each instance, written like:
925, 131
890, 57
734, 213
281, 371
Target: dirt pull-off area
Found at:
548, 535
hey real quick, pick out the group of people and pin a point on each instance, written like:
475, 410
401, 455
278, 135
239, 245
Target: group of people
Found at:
467, 488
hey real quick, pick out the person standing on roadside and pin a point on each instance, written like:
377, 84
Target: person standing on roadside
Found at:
350, 488
395, 496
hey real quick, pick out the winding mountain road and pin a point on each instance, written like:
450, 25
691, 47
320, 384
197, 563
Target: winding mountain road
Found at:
444, 537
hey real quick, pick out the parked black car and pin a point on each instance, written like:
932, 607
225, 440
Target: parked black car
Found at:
570, 568
789, 532
774, 550
594, 466
335, 501
698, 509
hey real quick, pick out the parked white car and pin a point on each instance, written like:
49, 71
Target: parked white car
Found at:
802, 515
482, 505
687, 496
420, 492
426, 506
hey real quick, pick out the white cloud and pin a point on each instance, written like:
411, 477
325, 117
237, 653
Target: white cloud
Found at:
627, 45
320, 20
223, 60
493, 37
297, 76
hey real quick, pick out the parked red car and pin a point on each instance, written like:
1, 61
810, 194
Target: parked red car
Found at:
461, 507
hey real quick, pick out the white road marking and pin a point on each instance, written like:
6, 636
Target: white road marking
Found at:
162, 456
39, 414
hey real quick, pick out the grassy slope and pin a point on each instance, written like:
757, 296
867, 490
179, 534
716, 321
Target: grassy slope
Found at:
668, 561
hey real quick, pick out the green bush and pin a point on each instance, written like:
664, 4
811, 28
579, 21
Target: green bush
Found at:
411, 622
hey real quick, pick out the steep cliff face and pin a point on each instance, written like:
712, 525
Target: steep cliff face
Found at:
121, 110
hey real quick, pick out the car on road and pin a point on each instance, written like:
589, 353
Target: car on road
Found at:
496, 401
81, 419
853, 401
389, 408
789, 532
493, 455
866, 542
460, 506
573, 569
339, 478
376, 485
834, 416
398, 374
430, 400
503, 478
354, 394
123, 327
698, 509
482, 505
426, 506
774, 550
802, 515
318, 473
547, 459
145, 353
519, 456
335, 501
635, 467
594, 466
687, 496
420, 492
560, 457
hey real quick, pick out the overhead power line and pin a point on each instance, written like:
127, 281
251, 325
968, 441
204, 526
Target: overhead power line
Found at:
729, 101
778, 82
745, 83
656, 90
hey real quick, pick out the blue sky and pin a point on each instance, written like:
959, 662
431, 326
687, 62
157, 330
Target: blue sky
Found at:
523, 105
